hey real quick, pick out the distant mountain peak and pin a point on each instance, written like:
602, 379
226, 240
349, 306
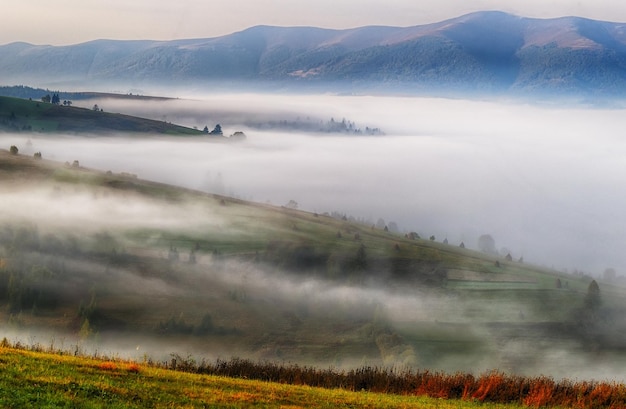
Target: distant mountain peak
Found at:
487, 51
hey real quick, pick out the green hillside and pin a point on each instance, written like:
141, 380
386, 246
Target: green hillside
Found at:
18, 115
119, 263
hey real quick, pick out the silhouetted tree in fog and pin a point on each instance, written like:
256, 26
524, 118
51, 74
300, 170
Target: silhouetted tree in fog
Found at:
609, 275
217, 130
487, 244
360, 261
592, 299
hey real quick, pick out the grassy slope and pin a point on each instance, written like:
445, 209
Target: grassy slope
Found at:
270, 325
20, 114
37, 379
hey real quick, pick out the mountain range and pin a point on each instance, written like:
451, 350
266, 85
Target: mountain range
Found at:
484, 52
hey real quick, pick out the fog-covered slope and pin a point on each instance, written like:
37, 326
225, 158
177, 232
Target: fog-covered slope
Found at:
114, 262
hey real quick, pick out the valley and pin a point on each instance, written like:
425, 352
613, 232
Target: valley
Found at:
171, 270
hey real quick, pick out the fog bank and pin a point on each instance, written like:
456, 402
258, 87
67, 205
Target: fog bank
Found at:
544, 182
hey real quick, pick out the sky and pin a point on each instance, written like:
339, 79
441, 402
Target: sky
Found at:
63, 22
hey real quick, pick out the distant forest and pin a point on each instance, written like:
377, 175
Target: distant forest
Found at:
22, 91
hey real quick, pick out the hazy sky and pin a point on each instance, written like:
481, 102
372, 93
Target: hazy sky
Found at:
75, 21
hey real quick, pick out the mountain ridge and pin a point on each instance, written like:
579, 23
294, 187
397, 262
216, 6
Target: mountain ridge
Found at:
486, 52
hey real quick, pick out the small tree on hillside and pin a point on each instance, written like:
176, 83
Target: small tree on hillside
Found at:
13, 150
217, 130
360, 260
592, 299
609, 275
487, 244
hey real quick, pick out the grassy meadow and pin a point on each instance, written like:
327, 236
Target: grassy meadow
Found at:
37, 379
34, 377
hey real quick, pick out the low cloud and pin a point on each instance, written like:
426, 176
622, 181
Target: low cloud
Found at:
542, 181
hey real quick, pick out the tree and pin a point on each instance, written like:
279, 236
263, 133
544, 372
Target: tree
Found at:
592, 299
360, 260
292, 204
206, 325
96, 107
206, 129
13, 150
85, 330
380, 224
46, 98
217, 130
238, 136
487, 244
609, 275
173, 254
37, 155
55, 99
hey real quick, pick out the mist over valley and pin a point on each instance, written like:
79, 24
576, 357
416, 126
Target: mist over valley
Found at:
323, 266
443, 197
541, 181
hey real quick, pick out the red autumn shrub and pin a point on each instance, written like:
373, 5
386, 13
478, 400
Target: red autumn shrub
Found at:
107, 366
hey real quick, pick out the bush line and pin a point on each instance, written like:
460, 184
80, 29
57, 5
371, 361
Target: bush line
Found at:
491, 387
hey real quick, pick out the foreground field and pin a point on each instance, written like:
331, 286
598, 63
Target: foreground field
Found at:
35, 380
36, 376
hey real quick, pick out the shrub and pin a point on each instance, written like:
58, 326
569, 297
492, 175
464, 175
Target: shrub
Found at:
107, 366
540, 393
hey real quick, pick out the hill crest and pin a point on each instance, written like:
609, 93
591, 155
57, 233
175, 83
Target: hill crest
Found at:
479, 52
